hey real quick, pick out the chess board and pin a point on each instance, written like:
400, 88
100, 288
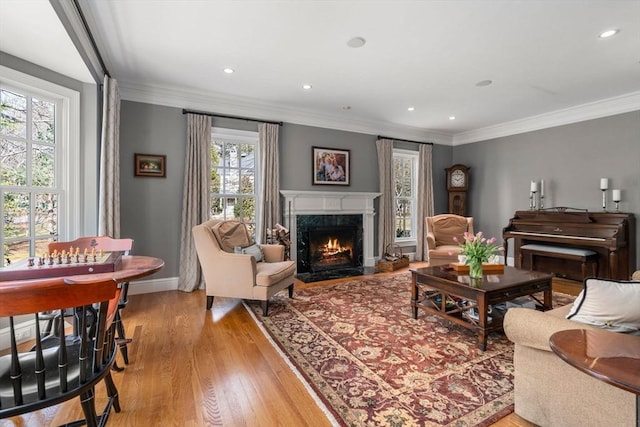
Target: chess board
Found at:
21, 270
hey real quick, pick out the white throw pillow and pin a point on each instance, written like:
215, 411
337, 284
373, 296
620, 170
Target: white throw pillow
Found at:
253, 250
608, 304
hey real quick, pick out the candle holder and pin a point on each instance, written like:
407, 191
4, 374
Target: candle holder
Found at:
541, 201
532, 200
604, 199
617, 202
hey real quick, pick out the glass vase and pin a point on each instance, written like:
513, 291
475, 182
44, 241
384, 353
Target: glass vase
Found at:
475, 268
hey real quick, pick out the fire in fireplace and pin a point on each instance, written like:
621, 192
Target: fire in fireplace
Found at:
331, 248
328, 243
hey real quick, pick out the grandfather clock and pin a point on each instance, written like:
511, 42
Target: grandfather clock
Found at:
457, 186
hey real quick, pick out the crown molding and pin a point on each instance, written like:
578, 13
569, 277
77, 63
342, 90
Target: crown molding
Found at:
593, 110
232, 105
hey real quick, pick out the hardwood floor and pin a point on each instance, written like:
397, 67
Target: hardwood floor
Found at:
193, 367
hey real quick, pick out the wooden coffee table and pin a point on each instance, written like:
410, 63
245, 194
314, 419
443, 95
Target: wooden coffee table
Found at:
440, 290
608, 356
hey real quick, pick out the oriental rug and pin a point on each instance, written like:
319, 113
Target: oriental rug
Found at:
371, 364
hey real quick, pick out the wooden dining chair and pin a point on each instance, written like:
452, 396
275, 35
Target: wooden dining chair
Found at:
105, 244
57, 368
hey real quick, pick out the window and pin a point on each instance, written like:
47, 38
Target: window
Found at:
405, 164
234, 168
36, 146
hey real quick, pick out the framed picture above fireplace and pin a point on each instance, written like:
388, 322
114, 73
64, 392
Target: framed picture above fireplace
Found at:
331, 166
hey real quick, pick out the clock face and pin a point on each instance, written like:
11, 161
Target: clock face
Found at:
457, 178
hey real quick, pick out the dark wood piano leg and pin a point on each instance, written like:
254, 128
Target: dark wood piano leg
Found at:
613, 265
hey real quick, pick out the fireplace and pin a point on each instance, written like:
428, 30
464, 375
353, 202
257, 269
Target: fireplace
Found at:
305, 211
328, 242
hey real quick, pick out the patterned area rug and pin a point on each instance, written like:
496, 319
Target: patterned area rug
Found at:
373, 365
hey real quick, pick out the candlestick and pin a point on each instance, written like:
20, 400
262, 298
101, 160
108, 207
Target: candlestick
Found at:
532, 200
542, 188
604, 199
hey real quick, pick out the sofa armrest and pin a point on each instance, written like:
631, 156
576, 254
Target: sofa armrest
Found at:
532, 328
273, 253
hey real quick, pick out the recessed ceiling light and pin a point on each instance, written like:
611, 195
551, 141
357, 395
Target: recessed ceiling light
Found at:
306, 87
452, 117
608, 33
482, 83
228, 70
411, 109
356, 42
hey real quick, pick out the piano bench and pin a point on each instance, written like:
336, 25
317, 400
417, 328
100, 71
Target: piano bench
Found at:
584, 256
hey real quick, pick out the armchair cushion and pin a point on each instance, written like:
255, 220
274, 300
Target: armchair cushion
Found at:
270, 273
230, 234
446, 228
608, 304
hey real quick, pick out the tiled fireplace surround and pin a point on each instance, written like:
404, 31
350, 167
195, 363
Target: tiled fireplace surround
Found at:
331, 203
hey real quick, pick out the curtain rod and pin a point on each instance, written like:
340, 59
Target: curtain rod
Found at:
404, 140
248, 119
91, 39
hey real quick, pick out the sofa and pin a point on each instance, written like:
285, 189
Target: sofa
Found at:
550, 392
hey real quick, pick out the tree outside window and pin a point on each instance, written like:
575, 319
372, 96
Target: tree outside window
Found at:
233, 176
29, 192
405, 186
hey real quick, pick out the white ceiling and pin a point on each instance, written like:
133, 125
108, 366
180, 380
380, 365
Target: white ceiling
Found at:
545, 59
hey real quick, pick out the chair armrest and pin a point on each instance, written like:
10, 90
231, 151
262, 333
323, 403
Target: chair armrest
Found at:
431, 240
273, 253
532, 328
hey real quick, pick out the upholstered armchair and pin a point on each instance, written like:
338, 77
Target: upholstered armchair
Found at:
441, 229
234, 266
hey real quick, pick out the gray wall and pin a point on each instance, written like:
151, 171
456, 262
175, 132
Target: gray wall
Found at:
571, 159
151, 207
89, 135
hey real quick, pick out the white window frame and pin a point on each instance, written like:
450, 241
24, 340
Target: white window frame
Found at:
67, 146
244, 136
413, 156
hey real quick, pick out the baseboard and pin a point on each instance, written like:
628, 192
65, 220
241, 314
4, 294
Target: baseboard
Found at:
139, 287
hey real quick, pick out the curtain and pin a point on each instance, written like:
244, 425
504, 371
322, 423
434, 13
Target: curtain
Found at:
268, 135
195, 199
386, 228
425, 198
109, 193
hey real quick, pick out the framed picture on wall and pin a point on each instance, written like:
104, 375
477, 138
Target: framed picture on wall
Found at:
331, 166
150, 165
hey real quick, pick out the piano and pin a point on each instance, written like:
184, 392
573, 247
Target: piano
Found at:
610, 234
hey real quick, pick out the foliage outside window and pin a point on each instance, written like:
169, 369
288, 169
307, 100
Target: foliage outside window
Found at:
234, 163
29, 191
405, 165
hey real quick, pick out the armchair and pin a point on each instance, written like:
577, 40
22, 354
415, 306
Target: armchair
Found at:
238, 275
440, 232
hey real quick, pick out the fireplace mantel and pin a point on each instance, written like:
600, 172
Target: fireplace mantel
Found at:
332, 203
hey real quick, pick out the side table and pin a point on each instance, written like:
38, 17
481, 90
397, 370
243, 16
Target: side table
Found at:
608, 356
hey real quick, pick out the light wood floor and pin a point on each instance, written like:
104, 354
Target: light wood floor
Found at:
193, 367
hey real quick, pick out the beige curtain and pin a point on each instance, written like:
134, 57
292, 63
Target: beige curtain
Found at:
425, 197
109, 193
269, 177
386, 228
195, 199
